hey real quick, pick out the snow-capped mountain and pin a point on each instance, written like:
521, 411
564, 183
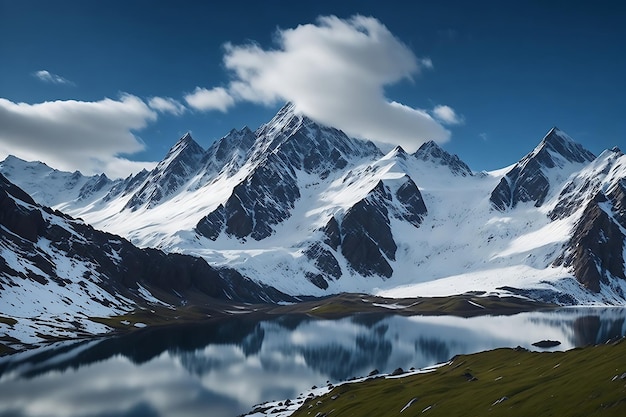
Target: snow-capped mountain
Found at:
57, 272
310, 211
549, 164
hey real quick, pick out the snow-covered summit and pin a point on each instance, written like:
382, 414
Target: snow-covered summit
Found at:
431, 152
541, 171
182, 160
51, 187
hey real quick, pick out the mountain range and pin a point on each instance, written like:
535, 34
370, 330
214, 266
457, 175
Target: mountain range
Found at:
297, 208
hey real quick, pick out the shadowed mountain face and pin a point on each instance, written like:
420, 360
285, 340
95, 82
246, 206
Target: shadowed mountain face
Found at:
529, 180
307, 210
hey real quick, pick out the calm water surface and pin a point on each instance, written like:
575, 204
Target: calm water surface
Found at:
224, 369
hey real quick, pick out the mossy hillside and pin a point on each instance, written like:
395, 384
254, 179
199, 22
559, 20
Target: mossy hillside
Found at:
502, 382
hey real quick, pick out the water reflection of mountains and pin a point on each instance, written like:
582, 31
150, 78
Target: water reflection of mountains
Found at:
365, 341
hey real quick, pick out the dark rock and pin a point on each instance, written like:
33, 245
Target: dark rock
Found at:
412, 202
374, 372
212, 225
398, 371
595, 250
527, 180
181, 162
470, 377
430, 151
317, 279
94, 185
367, 240
547, 343
324, 260
117, 266
332, 235
28, 224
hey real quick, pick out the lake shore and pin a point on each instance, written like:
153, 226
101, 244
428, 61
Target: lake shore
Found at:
499, 382
336, 306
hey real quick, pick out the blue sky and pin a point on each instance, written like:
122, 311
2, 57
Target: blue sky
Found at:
110, 86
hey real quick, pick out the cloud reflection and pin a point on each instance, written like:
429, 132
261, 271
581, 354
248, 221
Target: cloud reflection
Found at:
225, 368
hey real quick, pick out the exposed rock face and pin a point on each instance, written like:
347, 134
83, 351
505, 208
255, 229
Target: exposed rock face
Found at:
27, 224
266, 197
332, 234
227, 155
595, 251
528, 180
412, 206
430, 151
170, 174
367, 241
325, 262
127, 186
44, 242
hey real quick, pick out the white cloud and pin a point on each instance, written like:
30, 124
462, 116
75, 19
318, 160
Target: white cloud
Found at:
49, 77
167, 105
76, 135
214, 99
335, 72
447, 115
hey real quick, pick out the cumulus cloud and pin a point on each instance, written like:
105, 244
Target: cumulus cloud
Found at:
335, 72
49, 77
167, 105
77, 135
447, 115
214, 99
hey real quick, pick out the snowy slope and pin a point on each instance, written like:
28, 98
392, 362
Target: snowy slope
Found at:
51, 187
308, 210
56, 273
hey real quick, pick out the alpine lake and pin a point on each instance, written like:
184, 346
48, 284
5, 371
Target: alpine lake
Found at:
226, 367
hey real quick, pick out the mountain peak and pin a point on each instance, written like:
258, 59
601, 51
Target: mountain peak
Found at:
431, 152
182, 160
398, 151
185, 145
557, 144
529, 180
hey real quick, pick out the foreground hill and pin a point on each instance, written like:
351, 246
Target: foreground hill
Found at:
308, 210
502, 382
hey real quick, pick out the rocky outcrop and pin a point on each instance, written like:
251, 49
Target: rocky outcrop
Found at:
367, 241
595, 251
45, 243
430, 151
411, 207
182, 160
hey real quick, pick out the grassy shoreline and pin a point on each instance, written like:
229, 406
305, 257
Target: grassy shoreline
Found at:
501, 382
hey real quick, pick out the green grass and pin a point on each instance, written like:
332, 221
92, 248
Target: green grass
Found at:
580, 382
